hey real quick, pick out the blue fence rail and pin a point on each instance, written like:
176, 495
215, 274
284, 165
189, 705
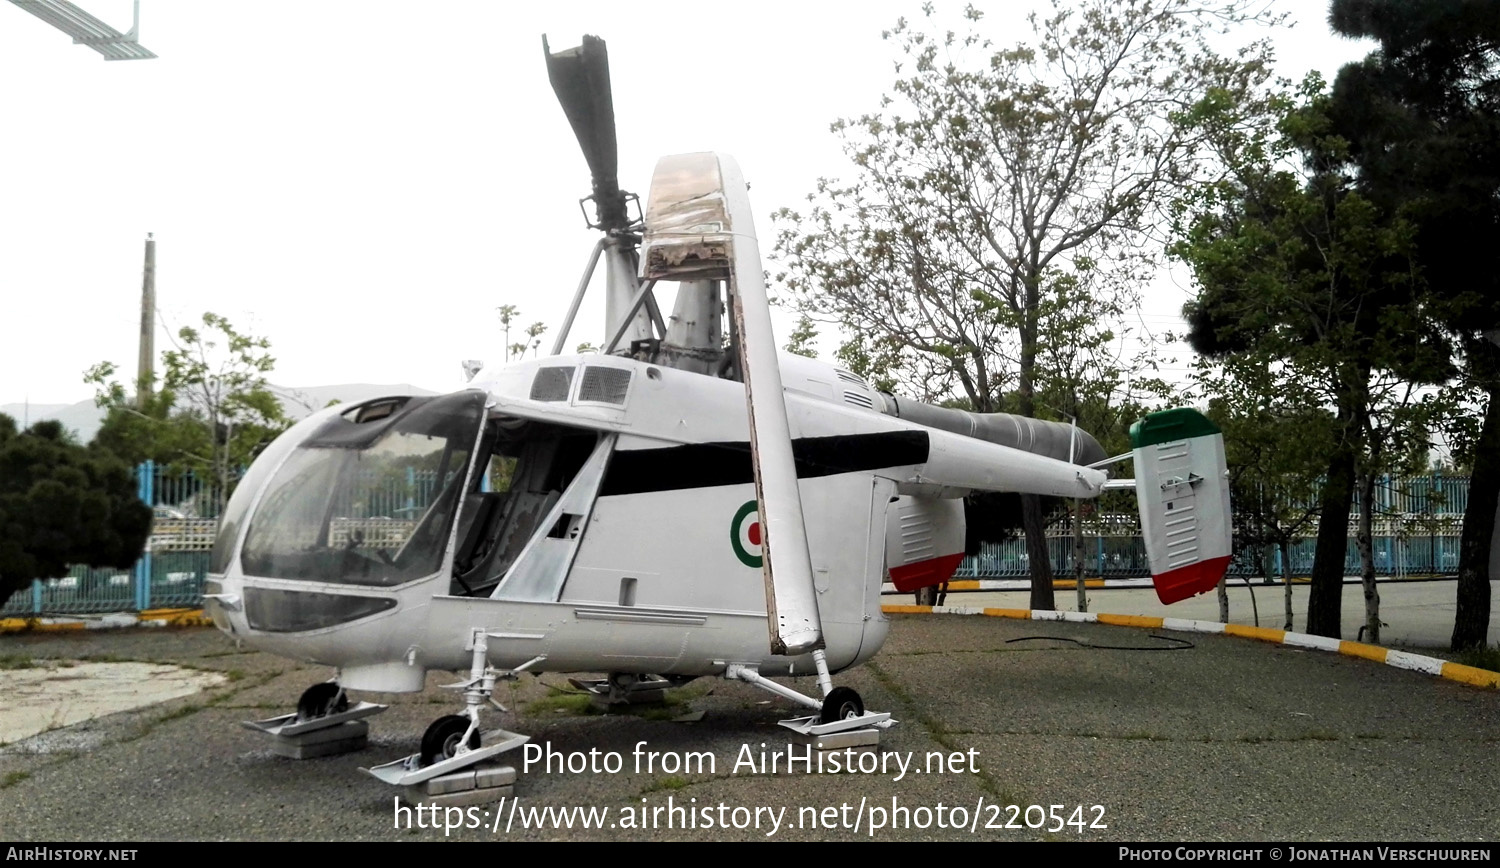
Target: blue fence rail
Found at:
1417, 532
1125, 557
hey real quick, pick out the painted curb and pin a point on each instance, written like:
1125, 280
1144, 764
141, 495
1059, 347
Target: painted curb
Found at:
1021, 583
148, 618
1400, 659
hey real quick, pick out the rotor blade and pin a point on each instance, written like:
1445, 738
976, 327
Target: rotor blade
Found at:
699, 227
580, 78
791, 597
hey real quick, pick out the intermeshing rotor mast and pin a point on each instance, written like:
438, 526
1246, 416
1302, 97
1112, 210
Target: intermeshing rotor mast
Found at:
633, 322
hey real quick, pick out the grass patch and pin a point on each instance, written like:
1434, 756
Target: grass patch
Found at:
560, 702
13, 778
669, 710
1315, 735
1481, 657
113, 658
176, 713
16, 661
671, 782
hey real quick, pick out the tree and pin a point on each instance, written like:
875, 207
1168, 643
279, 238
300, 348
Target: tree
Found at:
1277, 438
63, 504
1298, 269
213, 413
1422, 118
804, 338
510, 314
984, 188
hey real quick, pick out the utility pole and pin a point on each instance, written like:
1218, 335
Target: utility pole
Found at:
145, 367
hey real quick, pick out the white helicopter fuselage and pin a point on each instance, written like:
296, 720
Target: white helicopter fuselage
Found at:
646, 557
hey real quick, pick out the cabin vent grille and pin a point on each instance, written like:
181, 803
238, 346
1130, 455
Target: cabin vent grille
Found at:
551, 384
604, 385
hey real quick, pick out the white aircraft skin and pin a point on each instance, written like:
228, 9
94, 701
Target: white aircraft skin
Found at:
628, 537
655, 506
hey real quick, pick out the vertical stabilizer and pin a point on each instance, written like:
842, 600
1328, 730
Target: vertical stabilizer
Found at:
1182, 484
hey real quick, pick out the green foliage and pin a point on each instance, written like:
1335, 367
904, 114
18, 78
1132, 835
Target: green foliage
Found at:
1314, 322
1421, 116
212, 414
1277, 438
803, 341
1002, 215
1000, 220
509, 315
63, 504
1480, 657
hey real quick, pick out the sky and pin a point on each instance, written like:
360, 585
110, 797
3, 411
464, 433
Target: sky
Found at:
365, 183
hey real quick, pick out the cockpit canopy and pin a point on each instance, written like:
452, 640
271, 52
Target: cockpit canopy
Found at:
368, 498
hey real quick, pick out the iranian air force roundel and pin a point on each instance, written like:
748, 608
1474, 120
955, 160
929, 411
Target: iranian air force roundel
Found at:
745, 535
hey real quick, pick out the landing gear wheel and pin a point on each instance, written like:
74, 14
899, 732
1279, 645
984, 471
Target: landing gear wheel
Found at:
842, 703
321, 700
623, 680
441, 740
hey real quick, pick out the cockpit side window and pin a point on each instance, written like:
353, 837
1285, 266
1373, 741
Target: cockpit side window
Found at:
530, 465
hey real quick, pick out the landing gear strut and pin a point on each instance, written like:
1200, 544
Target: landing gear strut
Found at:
840, 711
454, 742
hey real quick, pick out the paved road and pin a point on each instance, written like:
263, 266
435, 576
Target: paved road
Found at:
1217, 739
1416, 614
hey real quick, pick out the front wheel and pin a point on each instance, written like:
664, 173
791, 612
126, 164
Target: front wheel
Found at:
442, 739
321, 700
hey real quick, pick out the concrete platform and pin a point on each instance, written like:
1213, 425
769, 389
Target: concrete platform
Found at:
480, 786
346, 737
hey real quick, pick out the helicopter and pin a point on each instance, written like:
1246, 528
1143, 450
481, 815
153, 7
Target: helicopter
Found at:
685, 502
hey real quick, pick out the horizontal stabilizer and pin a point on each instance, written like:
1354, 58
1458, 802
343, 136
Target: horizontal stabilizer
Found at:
1182, 483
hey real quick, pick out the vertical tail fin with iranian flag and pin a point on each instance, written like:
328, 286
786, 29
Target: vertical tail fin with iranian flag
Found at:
1182, 485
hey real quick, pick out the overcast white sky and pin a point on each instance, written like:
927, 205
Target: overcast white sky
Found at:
365, 182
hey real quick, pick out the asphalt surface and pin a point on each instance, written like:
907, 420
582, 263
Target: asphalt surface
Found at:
1415, 614
1218, 738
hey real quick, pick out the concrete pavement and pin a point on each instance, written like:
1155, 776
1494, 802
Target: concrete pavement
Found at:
1416, 614
1197, 737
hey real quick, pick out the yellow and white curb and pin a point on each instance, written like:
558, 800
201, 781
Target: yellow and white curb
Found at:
1024, 584
148, 618
1400, 659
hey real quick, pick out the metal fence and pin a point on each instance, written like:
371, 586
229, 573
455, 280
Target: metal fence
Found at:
1416, 533
1395, 555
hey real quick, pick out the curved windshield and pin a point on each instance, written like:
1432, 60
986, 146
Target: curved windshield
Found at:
369, 497
232, 520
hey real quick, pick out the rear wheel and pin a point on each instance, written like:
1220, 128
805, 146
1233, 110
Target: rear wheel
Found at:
842, 703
